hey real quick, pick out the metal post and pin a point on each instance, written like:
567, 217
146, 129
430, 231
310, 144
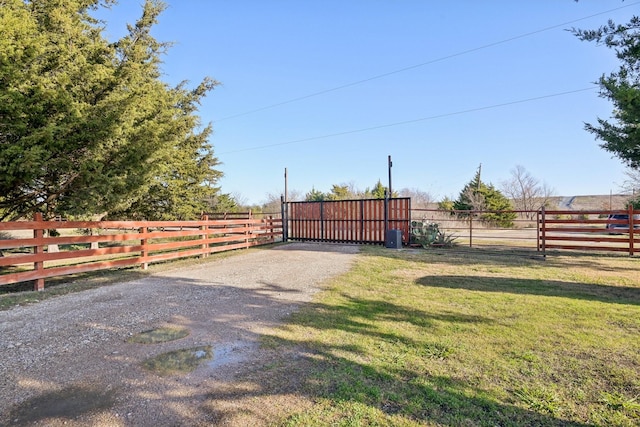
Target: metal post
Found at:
386, 217
471, 229
285, 219
390, 165
286, 184
321, 220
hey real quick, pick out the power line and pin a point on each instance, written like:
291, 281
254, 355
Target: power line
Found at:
422, 64
405, 122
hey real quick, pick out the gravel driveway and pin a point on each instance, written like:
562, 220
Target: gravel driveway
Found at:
67, 361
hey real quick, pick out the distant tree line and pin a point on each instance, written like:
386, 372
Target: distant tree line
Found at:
521, 192
349, 192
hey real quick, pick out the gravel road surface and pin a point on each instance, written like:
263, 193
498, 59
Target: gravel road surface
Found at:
67, 360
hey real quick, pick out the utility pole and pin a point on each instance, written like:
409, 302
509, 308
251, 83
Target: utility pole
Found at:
286, 195
390, 164
479, 174
284, 208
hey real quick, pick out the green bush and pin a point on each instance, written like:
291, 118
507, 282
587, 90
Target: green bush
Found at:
635, 202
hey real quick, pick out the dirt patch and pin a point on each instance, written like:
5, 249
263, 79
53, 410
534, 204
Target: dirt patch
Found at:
70, 360
61, 403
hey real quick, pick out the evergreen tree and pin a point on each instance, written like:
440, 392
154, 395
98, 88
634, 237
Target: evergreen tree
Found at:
497, 205
224, 203
478, 196
339, 192
446, 204
634, 203
314, 196
471, 198
87, 126
621, 135
379, 191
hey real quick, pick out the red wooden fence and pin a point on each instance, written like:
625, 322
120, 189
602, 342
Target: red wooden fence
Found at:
119, 244
586, 230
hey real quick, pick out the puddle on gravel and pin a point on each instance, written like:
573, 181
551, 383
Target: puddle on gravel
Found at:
159, 335
231, 353
187, 360
180, 361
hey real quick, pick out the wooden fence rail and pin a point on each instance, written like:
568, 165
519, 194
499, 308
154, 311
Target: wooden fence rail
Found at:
36, 254
588, 230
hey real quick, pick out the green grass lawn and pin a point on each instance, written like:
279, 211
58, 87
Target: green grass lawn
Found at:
448, 338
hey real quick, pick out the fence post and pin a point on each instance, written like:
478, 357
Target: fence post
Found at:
386, 217
285, 220
38, 266
538, 231
247, 233
362, 236
267, 227
543, 233
204, 236
144, 251
471, 229
631, 229
321, 220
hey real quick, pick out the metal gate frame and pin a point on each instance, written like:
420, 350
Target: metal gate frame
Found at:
364, 221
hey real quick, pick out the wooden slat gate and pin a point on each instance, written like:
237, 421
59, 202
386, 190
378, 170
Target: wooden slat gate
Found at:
347, 221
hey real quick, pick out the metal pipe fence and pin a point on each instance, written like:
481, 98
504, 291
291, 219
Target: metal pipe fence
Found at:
541, 231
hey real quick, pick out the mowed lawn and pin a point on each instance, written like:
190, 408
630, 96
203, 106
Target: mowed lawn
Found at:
444, 337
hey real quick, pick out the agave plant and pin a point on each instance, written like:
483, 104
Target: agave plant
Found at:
444, 240
428, 234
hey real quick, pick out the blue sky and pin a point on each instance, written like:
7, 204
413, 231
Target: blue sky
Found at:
440, 86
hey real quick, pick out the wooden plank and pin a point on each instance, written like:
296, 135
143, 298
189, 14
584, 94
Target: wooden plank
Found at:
587, 248
621, 239
575, 230
75, 254
585, 212
27, 276
67, 240
165, 256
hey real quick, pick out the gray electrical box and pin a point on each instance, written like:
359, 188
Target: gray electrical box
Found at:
394, 239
